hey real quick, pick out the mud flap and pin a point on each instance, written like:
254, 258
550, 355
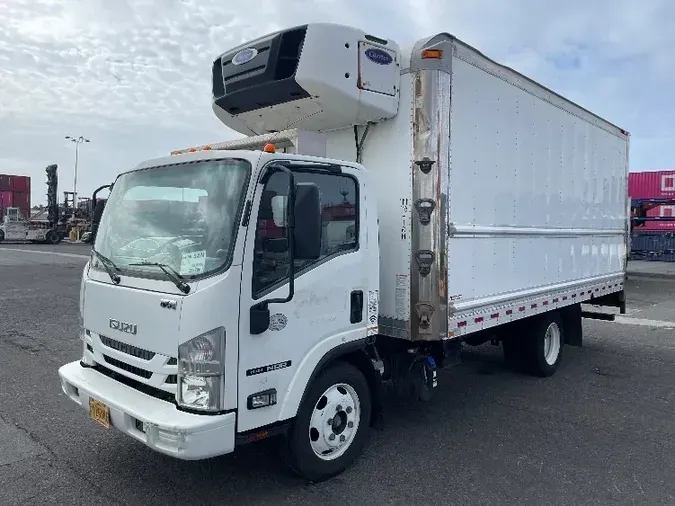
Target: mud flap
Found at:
571, 321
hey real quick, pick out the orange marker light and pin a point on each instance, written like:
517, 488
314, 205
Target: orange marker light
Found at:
432, 53
269, 148
207, 148
191, 150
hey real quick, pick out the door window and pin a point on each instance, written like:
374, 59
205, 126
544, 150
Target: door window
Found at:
339, 235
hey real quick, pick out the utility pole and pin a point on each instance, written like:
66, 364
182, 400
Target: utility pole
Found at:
79, 140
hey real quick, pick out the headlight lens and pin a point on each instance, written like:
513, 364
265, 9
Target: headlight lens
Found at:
201, 363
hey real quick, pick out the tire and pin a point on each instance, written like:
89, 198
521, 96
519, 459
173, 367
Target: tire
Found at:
52, 237
338, 397
542, 358
2, 236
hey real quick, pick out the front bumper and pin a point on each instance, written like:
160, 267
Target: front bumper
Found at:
155, 422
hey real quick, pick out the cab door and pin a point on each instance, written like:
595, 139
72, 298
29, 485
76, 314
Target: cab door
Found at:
327, 308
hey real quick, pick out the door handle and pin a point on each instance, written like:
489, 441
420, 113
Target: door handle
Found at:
356, 306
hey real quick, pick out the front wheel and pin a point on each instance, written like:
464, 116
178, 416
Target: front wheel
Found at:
332, 424
52, 237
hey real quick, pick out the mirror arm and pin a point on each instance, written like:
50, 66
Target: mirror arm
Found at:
93, 197
290, 231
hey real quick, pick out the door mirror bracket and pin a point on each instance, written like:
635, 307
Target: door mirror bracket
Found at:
303, 229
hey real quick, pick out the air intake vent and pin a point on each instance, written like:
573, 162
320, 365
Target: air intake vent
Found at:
218, 86
289, 54
127, 367
127, 348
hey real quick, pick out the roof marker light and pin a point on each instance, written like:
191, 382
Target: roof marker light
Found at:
432, 53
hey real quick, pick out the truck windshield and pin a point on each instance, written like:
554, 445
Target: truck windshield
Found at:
183, 216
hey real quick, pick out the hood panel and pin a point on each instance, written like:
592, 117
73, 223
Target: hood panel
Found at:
139, 318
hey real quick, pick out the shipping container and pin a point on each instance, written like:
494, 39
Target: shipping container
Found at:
13, 182
15, 192
654, 185
662, 226
651, 185
21, 200
6, 199
20, 183
658, 246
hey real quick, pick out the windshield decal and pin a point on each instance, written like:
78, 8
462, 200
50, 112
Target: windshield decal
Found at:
193, 263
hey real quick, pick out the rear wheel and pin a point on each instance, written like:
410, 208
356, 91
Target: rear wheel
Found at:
2, 235
544, 345
536, 346
332, 424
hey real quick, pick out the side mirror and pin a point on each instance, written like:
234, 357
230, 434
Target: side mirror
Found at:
98, 211
304, 218
308, 226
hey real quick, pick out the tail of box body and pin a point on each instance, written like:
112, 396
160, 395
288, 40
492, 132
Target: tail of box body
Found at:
498, 199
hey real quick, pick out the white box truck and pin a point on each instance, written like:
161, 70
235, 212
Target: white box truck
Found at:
386, 206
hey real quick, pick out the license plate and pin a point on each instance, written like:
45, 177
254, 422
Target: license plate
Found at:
99, 412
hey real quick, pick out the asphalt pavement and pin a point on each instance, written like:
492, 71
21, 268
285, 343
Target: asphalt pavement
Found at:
600, 431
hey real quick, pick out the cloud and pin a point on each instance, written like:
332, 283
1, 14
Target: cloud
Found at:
134, 75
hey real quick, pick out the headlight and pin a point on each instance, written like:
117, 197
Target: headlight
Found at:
201, 363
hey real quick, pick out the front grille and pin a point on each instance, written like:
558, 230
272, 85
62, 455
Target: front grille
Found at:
128, 368
127, 348
141, 387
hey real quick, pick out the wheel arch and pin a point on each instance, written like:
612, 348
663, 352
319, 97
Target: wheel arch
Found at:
354, 353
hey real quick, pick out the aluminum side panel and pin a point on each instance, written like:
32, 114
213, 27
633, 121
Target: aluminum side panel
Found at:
537, 195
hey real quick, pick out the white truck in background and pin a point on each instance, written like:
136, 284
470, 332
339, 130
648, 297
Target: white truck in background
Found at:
274, 284
14, 227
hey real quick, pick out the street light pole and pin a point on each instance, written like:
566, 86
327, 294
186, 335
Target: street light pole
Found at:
79, 140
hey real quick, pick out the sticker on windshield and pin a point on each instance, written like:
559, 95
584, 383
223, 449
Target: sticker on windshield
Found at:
193, 263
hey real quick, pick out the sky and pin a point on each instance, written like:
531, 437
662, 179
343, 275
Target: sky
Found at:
134, 76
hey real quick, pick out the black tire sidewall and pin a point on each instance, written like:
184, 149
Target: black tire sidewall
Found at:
52, 237
301, 457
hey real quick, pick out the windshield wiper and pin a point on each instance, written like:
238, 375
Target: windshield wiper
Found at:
171, 274
107, 263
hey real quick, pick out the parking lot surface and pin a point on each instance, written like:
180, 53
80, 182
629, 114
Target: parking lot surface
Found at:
601, 431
